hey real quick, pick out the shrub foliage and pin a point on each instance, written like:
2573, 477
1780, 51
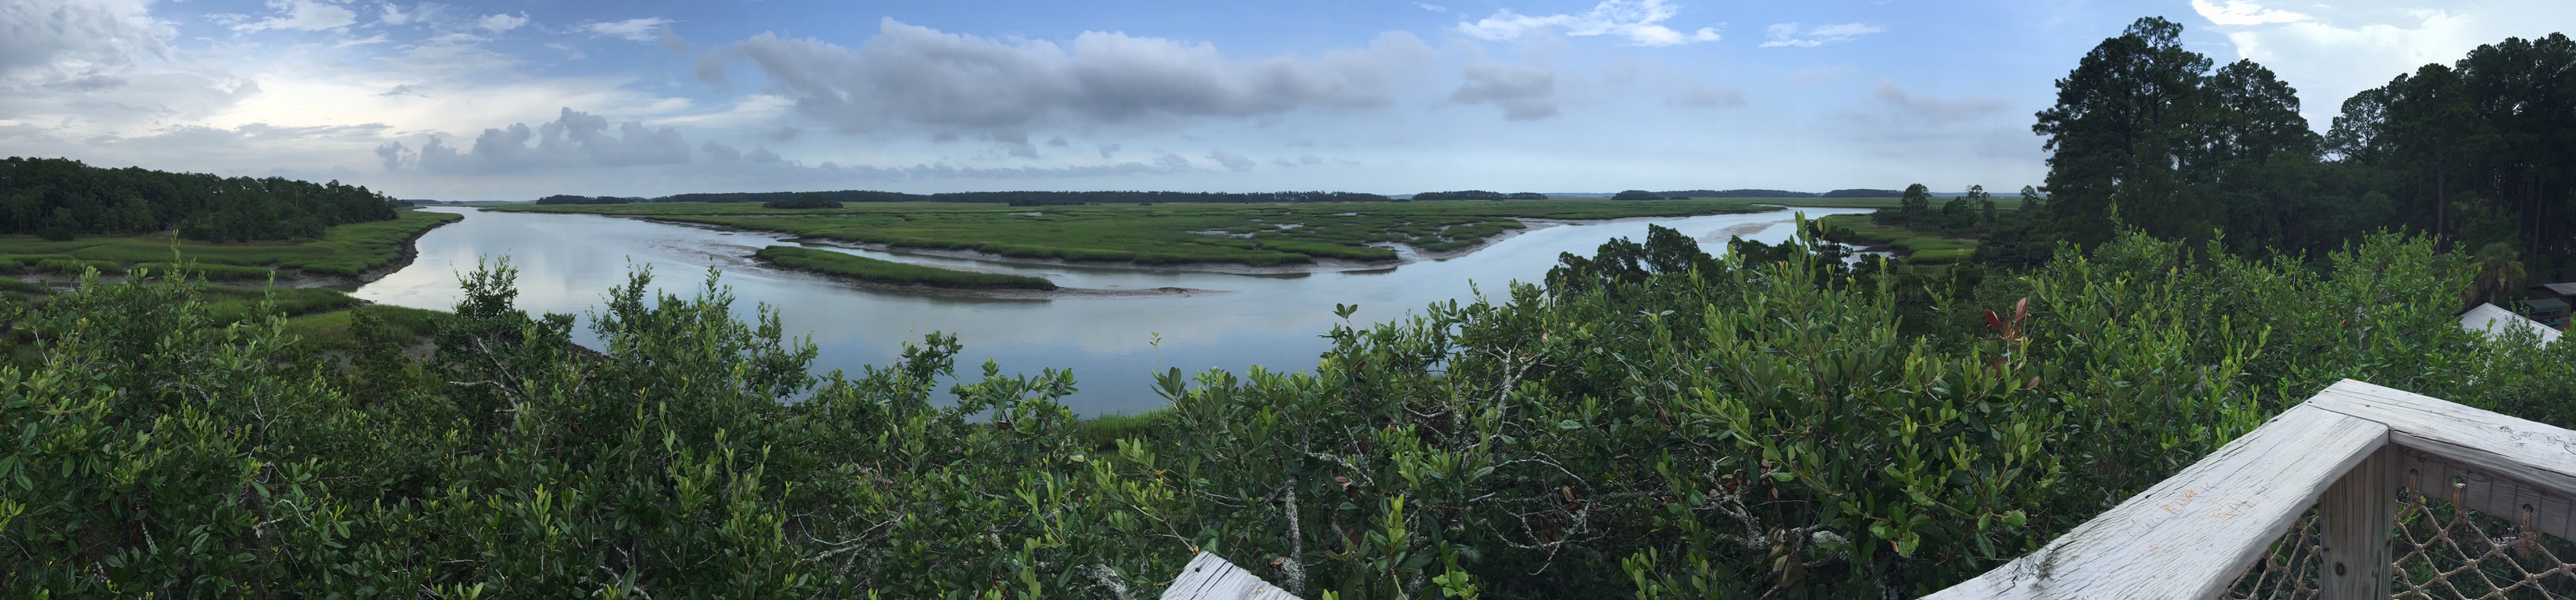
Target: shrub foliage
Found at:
1665, 424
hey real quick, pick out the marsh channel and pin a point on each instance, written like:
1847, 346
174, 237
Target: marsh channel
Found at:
1113, 343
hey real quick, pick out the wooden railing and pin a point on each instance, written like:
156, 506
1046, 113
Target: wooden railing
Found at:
2346, 453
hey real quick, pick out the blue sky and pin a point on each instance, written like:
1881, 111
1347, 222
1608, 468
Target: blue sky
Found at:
514, 100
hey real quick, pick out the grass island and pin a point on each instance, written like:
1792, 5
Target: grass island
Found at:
1321, 234
871, 270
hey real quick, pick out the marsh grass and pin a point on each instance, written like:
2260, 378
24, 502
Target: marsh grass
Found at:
1250, 234
1101, 433
330, 331
880, 271
342, 250
2001, 202
1917, 247
228, 304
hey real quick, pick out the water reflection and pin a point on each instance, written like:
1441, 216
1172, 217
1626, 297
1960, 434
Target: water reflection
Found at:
568, 262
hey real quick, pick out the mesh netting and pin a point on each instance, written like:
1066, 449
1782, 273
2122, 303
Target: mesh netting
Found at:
2442, 552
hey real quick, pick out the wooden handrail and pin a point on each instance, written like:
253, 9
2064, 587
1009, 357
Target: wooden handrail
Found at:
2350, 446
1210, 577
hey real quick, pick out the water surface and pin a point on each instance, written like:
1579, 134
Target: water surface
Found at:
567, 263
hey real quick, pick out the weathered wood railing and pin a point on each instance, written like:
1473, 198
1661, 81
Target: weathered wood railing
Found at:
2345, 452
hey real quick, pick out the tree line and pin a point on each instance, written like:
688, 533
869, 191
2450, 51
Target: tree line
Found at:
1751, 193
1479, 195
2479, 155
62, 199
1026, 198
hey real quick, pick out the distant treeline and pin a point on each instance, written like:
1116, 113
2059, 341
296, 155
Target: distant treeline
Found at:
572, 199
1850, 193
1021, 198
61, 198
827, 199
1479, 195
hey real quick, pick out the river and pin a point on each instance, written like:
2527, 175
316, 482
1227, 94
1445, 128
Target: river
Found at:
567, 264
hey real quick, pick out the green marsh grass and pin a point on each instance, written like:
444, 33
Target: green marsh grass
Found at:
1918, 247
1250, 234
330, 330
868, 269
342, 250
1101, 433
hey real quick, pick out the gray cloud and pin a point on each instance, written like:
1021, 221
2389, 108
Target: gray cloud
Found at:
1524, 92
1231, 160
1702, 96
1107, 149
75, 37
574, 138
912, 74
720, 152
91, 83
1935, 109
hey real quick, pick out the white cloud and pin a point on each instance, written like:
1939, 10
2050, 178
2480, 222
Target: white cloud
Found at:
419, 13
2338, 50
393, 15
645, 29
1524, 92
917, 75
2240, 12
1633, 19
1795, 35
1431, 7
502, 22
303, 15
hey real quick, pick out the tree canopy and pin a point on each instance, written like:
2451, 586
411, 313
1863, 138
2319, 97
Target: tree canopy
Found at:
2477, 153
62, 198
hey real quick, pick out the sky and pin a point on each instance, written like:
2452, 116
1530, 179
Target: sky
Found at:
515, 100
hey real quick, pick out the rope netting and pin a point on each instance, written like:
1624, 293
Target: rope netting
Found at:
2442, 552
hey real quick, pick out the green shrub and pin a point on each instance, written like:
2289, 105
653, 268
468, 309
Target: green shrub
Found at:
1676, 434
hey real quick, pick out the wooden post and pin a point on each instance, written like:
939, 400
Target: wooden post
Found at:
2354, 518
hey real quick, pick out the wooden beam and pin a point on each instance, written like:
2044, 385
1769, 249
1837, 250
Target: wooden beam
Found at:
2353, 520
2191, 534
2476, 489
1209, 577
2538, 455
